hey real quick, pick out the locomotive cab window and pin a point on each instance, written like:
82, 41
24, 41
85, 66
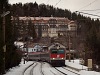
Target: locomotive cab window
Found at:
54, 51
60, 51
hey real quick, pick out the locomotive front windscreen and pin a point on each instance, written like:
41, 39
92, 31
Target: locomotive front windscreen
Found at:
60, 51
54, 51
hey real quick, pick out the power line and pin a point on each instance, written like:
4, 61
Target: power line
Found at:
97, 12
57, 3
88, 13
88, 4
91, 10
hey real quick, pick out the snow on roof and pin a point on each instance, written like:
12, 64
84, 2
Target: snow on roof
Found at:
55, 45
40, 18
37, 47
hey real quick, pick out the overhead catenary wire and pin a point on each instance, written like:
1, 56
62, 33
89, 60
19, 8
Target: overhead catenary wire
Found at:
88, 4
91, 10
87, 13
97, 12
57, 3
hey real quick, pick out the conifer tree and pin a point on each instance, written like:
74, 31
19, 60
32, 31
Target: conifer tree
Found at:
9, 57
1, 38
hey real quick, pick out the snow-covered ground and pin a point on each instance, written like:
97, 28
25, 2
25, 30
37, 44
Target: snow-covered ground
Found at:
18, 70
83, 69
75, 64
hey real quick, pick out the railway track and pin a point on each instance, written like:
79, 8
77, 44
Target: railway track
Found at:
51, 70
66, 71
34, 69
71, 70
43, 68
31, 71
30, 67
60, 71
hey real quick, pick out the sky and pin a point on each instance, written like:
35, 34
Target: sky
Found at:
72, 5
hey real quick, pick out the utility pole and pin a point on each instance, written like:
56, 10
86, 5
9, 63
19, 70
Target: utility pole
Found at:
69, 45
4, 27
26, 39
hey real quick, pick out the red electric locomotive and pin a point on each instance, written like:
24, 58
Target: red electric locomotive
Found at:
57, 54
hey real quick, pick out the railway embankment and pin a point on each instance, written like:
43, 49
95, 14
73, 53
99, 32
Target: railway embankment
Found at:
75, 65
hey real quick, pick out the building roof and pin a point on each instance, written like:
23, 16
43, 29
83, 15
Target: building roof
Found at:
56, 45
41, 18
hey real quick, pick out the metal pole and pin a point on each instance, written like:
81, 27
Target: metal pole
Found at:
4, 47
27, 48
69, 45
73, 57
4, 28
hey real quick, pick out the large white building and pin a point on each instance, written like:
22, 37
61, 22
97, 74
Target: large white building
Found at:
47, 26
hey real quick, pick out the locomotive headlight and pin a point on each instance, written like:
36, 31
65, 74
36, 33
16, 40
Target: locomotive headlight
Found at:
62, 58
53, 58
